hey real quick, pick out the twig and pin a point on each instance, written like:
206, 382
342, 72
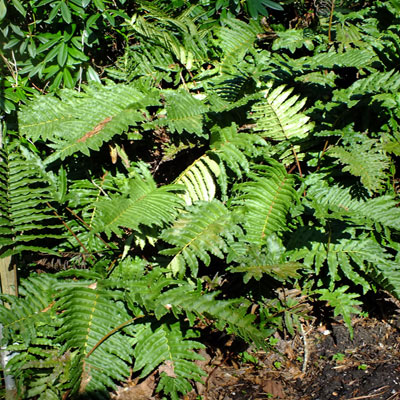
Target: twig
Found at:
393, 397
100, 188
306, 351
70, 230
370, 396
297, 161
16, 67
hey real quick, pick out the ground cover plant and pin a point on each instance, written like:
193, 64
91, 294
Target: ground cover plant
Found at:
228, 148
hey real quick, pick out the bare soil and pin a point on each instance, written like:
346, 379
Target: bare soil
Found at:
321, 362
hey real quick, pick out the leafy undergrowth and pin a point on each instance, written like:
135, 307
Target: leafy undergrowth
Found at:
332, 367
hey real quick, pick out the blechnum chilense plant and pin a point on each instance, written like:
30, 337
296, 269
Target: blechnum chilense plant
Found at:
240, 161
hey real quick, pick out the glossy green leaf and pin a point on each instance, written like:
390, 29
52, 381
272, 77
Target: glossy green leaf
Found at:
21, 9
65, 12
62, 54
3, 9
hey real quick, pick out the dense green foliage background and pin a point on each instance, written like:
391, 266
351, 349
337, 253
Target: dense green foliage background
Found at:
158, 157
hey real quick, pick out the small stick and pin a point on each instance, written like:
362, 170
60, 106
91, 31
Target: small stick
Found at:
306, 351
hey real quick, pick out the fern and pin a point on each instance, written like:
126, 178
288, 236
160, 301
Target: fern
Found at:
254, 262
374, 85
199, 180
343, 304
338, 202
166, 345
356, 257
331, 60
26, 217
194, 303
265, 201
146, 205
366, 160
90, 118
183, 113
236, 38
88, 315
203, 230
278, 117
292, 39
235, 148
22, 319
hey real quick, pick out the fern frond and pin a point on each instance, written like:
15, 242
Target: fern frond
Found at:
90, 118
236, 39
199, 180
25, 215
266, 200
178, 36
356, 257
144, 60
292, 39
23, 317
357, 58
279, 116
377, 82
254, 262
88, 314
343, 205
166, 345
343, 303
204, 229
147, 205
231, 314
366, 160
235, 148
184, 113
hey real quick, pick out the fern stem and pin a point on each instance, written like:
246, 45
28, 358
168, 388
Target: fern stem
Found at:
70, 230
330, 21
105, 337
297, 161
87, 226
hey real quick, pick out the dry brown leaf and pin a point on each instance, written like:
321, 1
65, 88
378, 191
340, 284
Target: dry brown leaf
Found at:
274, 388
143, 391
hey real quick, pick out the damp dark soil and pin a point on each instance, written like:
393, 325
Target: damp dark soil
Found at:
321, 362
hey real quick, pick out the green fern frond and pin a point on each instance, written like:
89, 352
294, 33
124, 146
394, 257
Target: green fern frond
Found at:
278, 116
23, 317
147, 205
90, 117
88, 315
366, 160
26, 218
338, 202
266, 200
343, 304
204, 229
254, 261
183, 113
357, 58
356, 257
231, 314
292, 39
144, 60
199, 180
236, 39
372, 85
235, 148
178, 36
166, 345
